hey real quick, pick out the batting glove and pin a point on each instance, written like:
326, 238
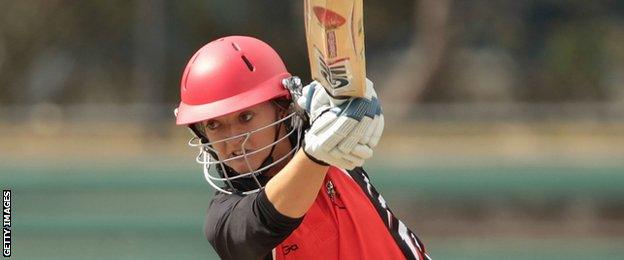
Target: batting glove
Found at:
342, 132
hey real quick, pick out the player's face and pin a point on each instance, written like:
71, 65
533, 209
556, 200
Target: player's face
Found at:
242, 122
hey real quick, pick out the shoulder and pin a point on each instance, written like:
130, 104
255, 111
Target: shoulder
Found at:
218, 211
235, 223
222, 202
245, 212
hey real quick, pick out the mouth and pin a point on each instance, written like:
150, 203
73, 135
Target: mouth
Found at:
240, 152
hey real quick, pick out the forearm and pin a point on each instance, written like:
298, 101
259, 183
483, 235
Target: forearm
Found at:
293, 189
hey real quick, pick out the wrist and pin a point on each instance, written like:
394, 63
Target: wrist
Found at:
317, 161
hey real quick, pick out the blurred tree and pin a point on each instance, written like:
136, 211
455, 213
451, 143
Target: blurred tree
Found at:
86, 51
425, 59
560, 51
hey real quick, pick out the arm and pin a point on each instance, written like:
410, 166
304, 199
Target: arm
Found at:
246, 227
293, 190
342, 134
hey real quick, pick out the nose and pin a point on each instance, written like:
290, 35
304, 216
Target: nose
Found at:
235, 129
236, 143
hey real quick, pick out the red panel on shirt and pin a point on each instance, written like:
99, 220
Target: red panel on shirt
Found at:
341, 224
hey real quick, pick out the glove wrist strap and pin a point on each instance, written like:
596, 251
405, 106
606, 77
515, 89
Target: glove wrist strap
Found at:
317, 161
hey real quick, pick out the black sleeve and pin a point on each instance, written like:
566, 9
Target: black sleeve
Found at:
246, 227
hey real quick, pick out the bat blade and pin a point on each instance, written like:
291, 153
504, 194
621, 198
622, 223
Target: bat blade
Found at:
335, 39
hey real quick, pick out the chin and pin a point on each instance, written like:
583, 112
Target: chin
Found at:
241, 167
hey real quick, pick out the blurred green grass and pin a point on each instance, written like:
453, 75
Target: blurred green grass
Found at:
155, 210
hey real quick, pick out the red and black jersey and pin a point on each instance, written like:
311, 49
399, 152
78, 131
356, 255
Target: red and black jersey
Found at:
348, 220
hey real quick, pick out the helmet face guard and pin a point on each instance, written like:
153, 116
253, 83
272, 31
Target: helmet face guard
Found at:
221, 176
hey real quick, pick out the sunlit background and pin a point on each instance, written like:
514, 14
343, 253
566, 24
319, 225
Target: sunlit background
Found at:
505, 134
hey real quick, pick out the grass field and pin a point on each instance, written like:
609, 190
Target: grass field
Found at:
148, 210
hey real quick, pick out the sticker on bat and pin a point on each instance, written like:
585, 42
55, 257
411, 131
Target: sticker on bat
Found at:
332, 50
328, 18
338, 73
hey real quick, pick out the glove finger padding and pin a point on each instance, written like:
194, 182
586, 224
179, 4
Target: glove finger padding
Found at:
348, 123
357, 134
362, 151
364, 130
336, 132
340, 162
335, 157
348, 160
377, 133
369, 131
351, 161
323, 122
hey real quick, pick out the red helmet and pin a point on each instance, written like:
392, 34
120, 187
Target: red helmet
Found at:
228, 75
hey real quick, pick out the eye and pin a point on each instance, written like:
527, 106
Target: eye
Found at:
212, 124
246, 116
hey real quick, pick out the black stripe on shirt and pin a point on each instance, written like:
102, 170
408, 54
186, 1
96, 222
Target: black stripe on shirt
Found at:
405, 241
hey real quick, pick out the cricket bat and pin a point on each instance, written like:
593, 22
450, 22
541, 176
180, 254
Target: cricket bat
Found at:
335, 38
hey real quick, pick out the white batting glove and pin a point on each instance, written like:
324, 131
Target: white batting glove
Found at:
369, 131
314, 101
342, 132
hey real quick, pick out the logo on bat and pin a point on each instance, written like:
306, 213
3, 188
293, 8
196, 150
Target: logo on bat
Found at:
337, 73
329, 20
